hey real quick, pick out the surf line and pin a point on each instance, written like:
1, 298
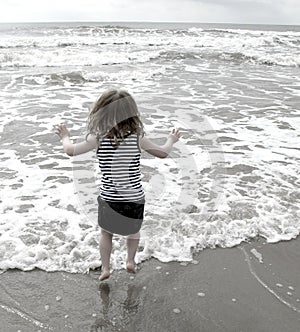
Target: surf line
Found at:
265, 285
26, 317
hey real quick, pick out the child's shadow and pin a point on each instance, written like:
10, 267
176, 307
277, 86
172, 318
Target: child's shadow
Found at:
117, 313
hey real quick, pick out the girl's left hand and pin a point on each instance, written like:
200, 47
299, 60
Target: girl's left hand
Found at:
62, 131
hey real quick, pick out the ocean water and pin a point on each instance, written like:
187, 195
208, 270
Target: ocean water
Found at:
233, 90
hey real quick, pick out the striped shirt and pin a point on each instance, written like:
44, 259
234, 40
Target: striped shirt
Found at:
120, 169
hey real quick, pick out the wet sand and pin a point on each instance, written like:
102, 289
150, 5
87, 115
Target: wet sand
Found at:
252, 287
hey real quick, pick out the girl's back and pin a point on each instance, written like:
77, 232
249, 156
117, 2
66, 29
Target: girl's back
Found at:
120, 169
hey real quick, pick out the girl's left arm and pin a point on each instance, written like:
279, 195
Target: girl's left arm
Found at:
72, 149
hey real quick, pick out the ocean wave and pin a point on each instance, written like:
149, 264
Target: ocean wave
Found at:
85, 76
54, 78
176, 55
104, 46
279, 60
263, 59
256, 32
233, 57
74, 77
219, 31
192, 37
14, 60
103, 30
73, 57
47, 43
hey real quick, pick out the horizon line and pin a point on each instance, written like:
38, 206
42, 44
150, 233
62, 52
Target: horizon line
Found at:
186, 22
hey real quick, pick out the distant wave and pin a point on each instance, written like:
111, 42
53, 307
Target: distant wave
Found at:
58, 56
222, 31
34, 59
176, 55
61, 44
233, 57
75, 77
192, 37
89, 45
265, 59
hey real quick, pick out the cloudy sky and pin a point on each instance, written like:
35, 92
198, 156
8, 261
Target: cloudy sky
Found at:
218, 11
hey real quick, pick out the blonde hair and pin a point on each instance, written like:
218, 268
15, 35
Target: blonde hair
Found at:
113, 115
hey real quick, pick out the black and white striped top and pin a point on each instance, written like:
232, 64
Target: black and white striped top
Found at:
120, 169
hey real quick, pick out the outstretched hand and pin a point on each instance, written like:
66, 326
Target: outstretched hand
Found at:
61, 130
174, 135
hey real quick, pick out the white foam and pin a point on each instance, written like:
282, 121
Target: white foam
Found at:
257, 255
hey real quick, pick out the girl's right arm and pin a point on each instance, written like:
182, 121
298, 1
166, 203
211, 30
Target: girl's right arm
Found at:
160, 151
70, 148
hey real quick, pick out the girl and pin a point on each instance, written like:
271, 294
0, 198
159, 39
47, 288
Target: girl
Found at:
115, 130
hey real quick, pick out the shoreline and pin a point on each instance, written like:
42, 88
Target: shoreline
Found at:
254, 286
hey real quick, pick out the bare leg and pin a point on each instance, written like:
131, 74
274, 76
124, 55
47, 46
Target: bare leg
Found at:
132, 242
105, 251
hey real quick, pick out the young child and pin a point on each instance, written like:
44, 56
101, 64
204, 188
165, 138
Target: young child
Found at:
115, 131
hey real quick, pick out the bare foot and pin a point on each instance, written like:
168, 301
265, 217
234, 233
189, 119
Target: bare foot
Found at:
104, 275
130, 266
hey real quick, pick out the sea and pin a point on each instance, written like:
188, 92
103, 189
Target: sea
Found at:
234, 175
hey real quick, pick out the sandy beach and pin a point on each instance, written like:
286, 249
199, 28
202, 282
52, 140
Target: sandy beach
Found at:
254, 286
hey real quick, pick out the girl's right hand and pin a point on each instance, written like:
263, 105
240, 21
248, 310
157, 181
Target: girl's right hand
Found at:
174, 135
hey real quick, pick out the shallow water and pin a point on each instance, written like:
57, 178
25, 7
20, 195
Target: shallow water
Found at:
233, 176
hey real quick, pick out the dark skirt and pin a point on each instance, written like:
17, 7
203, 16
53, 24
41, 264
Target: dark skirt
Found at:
122, 218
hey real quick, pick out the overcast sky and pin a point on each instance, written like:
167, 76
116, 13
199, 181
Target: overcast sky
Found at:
210, 11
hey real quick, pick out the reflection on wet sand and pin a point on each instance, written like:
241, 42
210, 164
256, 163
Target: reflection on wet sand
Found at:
113, 303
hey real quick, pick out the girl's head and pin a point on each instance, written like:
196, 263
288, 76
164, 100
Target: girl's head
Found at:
113, 115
